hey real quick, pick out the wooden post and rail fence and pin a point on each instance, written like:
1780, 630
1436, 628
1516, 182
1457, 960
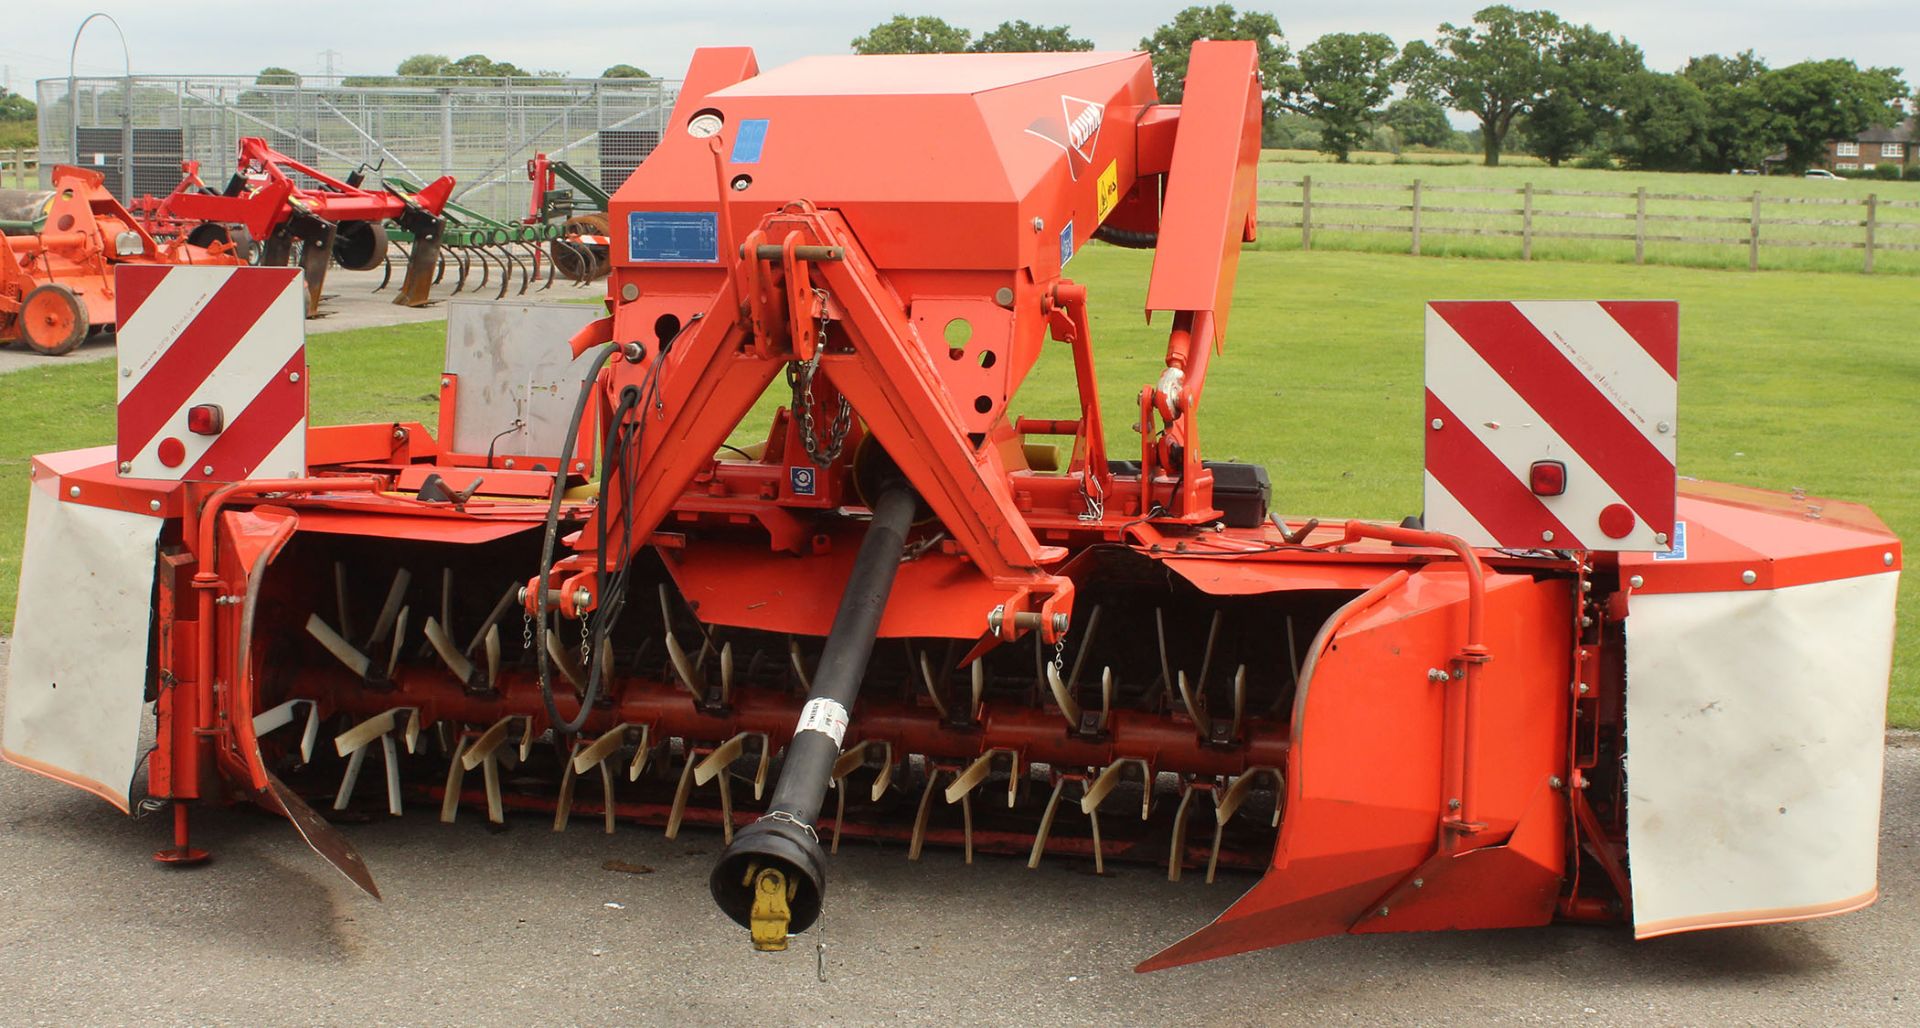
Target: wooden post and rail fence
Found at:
1862, 223
19, 168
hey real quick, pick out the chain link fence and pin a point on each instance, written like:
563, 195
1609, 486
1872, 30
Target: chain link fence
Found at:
136, 130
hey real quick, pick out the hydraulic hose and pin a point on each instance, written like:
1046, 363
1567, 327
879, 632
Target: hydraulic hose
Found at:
784, 839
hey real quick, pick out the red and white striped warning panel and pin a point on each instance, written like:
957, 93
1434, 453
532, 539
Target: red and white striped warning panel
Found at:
1551, 424
213, 373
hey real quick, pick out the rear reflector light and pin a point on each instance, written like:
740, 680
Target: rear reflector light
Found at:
1547, 478
204, 419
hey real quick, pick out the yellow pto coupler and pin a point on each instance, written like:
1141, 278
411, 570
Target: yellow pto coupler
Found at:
771, 913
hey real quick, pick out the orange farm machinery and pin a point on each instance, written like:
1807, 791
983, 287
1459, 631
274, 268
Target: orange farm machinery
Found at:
57, 280
890, 609
297, 214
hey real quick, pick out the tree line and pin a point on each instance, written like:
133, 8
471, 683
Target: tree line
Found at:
1535, 83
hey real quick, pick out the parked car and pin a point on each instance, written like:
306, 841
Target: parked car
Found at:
1743, 171
1822, 174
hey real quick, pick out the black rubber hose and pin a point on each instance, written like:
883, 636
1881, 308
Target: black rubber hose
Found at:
785, 837
560, 725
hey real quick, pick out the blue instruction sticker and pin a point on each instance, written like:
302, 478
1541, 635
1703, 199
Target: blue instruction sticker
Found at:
1679, 550
1066, 244
802, 480
655, 237
749, 141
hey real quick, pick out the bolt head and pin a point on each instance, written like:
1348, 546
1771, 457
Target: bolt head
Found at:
126, 467
1749, 577
1636, 581
1585, 688
293, 376
1383, 911
1419, 883
1555, 782
1437, 424
1887, 558
1003, 296
1453, 804
206, 469
508, 462
153, 505
1435, 674
73, 491
399, 433
629, 292
1660, 537
445, 382
581, 597
1663, 428
1546, 535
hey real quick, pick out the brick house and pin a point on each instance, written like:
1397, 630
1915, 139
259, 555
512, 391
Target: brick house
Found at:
1877, 146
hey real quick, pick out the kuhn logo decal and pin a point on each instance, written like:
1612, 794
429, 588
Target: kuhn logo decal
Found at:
1077, 132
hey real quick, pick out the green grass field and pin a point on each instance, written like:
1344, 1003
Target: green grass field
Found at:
1457, 233
1787, 380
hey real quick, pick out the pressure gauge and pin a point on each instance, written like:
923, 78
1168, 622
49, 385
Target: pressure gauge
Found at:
704, 124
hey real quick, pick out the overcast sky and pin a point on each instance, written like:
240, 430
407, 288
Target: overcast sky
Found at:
583, 36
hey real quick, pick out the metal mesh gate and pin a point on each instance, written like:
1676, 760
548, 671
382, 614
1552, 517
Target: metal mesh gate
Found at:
481, 131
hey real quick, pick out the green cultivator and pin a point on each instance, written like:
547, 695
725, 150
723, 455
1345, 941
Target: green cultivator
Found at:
471, 241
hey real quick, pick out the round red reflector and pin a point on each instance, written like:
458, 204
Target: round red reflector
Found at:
172, 452
1616, 521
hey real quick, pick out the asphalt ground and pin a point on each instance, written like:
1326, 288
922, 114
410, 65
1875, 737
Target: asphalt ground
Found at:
526, 926
349, 302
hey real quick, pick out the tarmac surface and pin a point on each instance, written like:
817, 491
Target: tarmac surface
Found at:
349, 302
526, 926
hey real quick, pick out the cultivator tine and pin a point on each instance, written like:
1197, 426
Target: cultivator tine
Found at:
1239, 701
340, 598
390, 610
439, 268
1106, 698
933, 690
486, 268
1177, 848
484, 753
1196, 705
354, 743
799, 665
1228, 802
1063, 698
589, 755
424, 263
456, 772
850, 761
492, 644
680, 792
563, 659
492, 623
314, 258
283, 715
978, 676
399, 633
1160, 632
386, 267
461, 667
345, 652
460, 283
1053, 808
726, 684
685, 670
919, 838
1109, 777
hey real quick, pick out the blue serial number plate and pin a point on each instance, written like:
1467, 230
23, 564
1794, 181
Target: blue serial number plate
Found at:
680, 237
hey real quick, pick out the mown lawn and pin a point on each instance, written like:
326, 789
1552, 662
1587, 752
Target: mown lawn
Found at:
1461, 233
1788, 380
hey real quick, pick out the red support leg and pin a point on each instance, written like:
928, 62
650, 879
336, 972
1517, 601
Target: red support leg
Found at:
180, 854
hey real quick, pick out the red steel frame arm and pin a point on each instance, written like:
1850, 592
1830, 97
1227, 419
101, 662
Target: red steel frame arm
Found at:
715, 373
1206, 216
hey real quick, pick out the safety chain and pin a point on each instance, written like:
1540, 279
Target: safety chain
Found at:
800, 377
1059, 653
526, 629
781, 815
1095, 498
586, 644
